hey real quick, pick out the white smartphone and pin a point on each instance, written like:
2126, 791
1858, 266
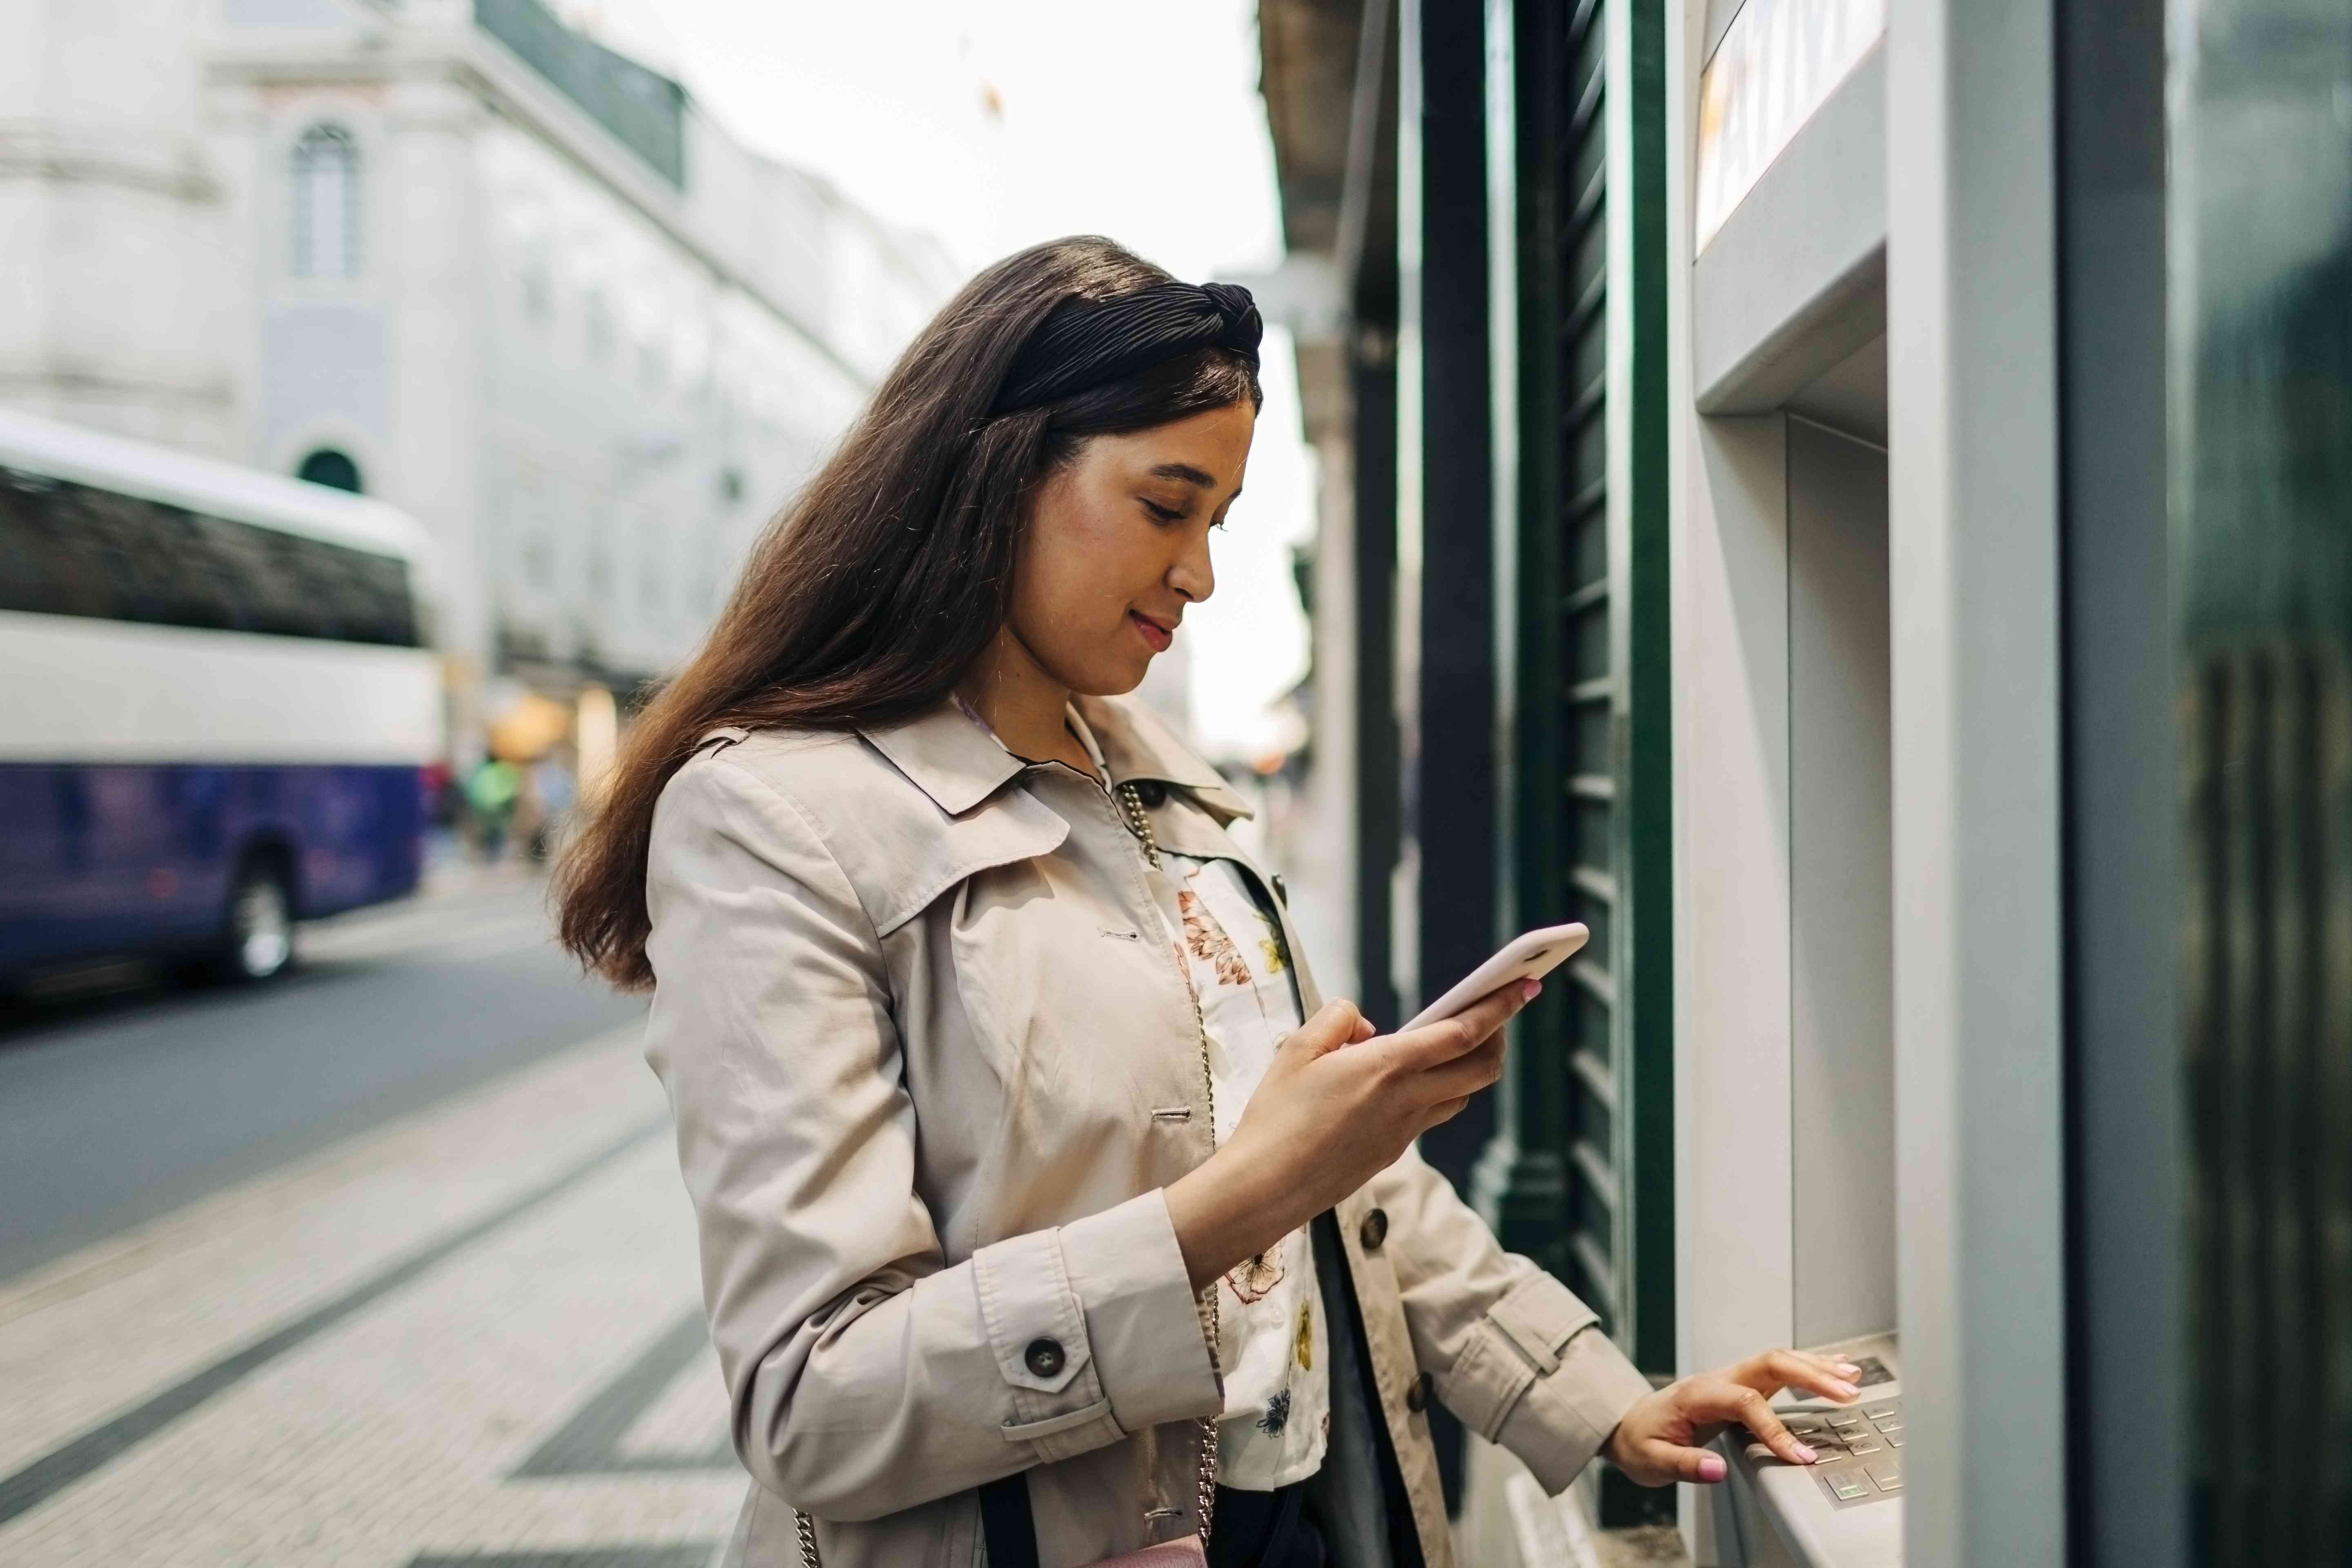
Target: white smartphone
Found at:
1528, 956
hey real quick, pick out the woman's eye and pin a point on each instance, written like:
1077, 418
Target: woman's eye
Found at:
1164, 514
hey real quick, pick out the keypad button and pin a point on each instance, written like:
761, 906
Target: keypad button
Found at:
1867, 1446
1044, 1357
1887, 1477
1844, 1421
1882, 1412
1895, 1439
1849, 1487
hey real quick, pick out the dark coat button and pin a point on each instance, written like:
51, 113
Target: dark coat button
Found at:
1280, 892
1151, 792
1416, 1397
1374, 1230
1044, 1357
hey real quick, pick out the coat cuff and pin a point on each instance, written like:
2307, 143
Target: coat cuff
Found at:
1095, 1329
1539, 1377
1143, 1314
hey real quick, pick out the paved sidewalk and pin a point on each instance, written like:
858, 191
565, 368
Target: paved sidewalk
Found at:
474, 1337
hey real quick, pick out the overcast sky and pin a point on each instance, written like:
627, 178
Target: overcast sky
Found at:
993, 123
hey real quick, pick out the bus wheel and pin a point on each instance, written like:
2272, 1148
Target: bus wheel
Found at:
259, 940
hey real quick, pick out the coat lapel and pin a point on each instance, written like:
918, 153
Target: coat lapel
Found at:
912, 850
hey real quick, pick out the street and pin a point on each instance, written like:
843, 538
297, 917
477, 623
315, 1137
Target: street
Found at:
386, 1263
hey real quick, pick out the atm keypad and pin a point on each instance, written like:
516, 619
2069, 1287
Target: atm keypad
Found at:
1857, 1446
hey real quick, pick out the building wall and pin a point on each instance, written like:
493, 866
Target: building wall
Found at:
643, 419
113, 248
592, 384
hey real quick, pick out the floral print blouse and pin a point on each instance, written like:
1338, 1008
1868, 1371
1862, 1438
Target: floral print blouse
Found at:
1272, 1341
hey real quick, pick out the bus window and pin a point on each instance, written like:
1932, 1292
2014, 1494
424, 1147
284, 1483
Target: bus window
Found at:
71, 549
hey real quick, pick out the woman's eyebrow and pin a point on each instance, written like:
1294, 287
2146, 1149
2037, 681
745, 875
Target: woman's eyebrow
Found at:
1186, 472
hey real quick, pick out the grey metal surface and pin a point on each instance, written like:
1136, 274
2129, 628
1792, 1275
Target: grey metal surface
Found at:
1795, 279
2130, 1348
1841, 889
1973, 565
1851, 396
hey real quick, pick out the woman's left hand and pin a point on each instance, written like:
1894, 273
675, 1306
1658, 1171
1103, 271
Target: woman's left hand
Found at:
1664, 1437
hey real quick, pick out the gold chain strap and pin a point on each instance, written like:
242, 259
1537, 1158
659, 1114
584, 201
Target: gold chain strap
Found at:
1139, 824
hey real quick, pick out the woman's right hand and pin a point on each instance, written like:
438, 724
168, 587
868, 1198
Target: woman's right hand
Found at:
1338, 1106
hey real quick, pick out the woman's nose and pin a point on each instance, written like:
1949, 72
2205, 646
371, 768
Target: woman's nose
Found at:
1192, 576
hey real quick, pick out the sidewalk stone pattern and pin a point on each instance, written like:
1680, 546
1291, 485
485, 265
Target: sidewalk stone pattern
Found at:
474, 1338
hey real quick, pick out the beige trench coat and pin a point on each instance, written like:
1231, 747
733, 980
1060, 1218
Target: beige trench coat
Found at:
931, 1072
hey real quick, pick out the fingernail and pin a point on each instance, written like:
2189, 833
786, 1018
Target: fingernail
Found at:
1805, 1455
1530, 989
1851, 1369
1847, 1389
1710, 1468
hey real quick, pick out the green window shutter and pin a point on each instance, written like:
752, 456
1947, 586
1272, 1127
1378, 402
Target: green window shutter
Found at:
1582, 1177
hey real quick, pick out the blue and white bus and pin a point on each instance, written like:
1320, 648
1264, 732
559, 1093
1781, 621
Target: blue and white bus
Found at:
217, 704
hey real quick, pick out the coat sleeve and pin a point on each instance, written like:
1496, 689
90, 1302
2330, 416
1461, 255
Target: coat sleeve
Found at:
865, 1374
1512, 1351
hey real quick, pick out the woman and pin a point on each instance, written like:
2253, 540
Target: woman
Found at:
1038, 1188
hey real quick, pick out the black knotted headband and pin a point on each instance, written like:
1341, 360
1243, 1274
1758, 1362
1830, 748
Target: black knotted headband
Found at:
1084, 343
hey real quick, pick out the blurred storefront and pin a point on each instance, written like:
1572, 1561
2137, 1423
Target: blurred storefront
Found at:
457, 254
1749, 432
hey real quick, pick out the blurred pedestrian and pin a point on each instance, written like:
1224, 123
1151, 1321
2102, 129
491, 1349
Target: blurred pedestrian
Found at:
552, 793
1006, 1237
491, 791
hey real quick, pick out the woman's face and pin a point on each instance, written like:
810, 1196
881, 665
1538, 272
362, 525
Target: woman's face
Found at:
1117, 547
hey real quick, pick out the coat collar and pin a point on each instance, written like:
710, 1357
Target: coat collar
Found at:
959, 764
952, 759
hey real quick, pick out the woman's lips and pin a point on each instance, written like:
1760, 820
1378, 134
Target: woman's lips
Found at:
1158, 635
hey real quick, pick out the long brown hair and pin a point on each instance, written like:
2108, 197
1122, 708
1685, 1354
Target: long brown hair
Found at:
873, 592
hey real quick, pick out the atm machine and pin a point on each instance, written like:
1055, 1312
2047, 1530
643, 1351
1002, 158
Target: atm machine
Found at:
1785, 780
1839, 1271
1845, 1511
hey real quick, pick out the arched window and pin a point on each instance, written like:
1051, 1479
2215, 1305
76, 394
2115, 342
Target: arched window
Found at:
325, 216
328, 466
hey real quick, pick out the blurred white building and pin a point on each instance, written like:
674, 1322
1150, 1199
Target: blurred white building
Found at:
453, 254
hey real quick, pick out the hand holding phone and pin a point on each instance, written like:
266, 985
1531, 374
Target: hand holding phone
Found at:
1527, 956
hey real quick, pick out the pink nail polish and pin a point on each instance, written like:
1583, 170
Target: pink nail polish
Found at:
1807, 1455
1710, 1468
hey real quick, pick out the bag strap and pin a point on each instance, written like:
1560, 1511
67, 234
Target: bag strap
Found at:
1006, 1523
